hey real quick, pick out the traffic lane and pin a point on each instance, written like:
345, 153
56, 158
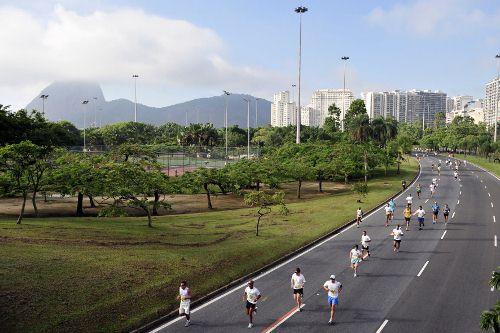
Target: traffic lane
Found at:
452, 291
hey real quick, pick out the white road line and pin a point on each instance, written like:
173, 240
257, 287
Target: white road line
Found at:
204, 305
382, 326
460, 193
491, 204
494, 219
426, 200
444, 233
458, 202
453, 215
496, 241
481, 180
485, 187
489, 194
422, 270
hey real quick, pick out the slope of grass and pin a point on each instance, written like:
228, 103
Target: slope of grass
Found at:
103, 275
494, 168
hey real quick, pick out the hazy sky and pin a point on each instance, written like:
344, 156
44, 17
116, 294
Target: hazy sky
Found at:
195, 48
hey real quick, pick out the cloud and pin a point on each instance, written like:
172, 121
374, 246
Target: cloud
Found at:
110, 46
428, 17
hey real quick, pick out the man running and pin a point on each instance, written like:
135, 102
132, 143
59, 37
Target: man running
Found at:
419, 190
407, 216
297, 282
435, 211
420, 212
392, 204
388, 212
397, 233
403, 184
432, 188
432, 166
439, 170
365, 244
455, 175
185, 298
409, 200
251, 296
333, 289
359, 216
446, 213
355, 256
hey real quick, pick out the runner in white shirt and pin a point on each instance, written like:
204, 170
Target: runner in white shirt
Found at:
409, 200
355, 257
388, 214
185, 298
365, 244
455, 175
251, 296
420, 212
333, 289
297, 282
432, 188
397, 233
359, 216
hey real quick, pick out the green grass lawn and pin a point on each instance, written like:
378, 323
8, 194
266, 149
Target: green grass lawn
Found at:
482, 162
103, 275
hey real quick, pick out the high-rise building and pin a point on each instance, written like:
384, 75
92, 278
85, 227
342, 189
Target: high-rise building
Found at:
310, 116
283, 112
406, 106
322, 99
491, 101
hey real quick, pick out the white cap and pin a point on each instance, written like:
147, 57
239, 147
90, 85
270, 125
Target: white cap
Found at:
332, 277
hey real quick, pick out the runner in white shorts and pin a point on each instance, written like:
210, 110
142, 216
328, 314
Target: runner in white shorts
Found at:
185, 298
355, 257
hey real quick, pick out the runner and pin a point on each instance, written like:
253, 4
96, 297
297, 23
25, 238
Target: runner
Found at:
333, 289
355, 256
465, 163
446, 212
397, 233
359, 216
409, 200
388, 212
403, 184
185, 305
420, 212
455, 175
435, 211
365, 245
251, 295
432, 188
439, 170
392, 204
407, 216
432, 166
298, 280
419, 190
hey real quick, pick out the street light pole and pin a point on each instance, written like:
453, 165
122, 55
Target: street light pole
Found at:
43, 97
225, 118
84, 124
497, 97
135, 76
248, 126
293, 92
343, 94
95, 112
300, 11
256, 111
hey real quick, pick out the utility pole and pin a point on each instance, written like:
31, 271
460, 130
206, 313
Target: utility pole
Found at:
135, 76
300, 11
343, 95
248, 126
256, 111
43, 97
226, 94
95, 112
84, 103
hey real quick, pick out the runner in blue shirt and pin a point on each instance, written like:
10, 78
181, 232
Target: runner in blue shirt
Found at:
393, 207
435, 212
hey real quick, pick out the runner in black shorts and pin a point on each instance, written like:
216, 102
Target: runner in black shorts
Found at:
297, 283
446, 212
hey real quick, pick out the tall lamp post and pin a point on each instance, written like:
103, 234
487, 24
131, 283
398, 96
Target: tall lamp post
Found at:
497, 57
344, 59
226, 94
135, 76
293, 92
43, 97
256, 111
95, 112
248, 126
84, 103
299, 10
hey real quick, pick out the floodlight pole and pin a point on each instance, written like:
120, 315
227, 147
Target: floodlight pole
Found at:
300, 11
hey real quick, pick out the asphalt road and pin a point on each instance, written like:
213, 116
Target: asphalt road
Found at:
388, 296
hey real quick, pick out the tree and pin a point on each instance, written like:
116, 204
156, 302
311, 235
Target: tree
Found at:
18, 162
264, 202
203, 179
361, 189
296, 163
332, 122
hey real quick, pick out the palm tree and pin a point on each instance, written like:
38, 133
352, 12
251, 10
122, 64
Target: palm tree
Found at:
361, 132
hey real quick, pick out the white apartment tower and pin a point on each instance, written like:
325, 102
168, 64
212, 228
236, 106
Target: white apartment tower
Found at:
283, 112
491, 101
322, 99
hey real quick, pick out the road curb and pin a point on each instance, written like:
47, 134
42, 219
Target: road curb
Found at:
157, 322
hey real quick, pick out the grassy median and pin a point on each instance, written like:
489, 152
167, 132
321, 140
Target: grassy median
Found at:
103, 275
482, 162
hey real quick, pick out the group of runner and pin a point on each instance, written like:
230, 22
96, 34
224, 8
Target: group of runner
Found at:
333, 287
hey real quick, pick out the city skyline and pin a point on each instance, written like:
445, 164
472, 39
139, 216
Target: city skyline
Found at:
444, 45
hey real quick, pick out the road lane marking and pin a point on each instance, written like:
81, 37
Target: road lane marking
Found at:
496, 245
281, 319
444, 233
460, 193
382, 326
491, 204
265, 273
494, 219
481, 180
422, 270
426, 200
485, 187
489, 194
458, 202
453, 215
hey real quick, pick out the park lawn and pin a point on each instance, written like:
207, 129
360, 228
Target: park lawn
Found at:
482, 162
103, 275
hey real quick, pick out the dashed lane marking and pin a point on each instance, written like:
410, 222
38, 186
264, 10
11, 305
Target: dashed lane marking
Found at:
453, 215
491, 204
382, 326
496, 241
444, 233
458, 202
494, 219
422, 270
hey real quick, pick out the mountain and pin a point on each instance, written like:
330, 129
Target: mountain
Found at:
65, 103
